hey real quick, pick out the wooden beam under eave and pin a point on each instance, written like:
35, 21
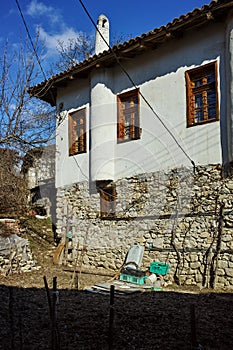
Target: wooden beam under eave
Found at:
126, 56
148, 44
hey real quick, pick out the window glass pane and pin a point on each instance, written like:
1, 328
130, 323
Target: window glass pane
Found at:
197, 82
211, 112
198, 101
127, 104
211, 98
210, 77
199, 115
127, 127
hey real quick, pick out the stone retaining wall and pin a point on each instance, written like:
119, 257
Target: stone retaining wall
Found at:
15, 254
181, 217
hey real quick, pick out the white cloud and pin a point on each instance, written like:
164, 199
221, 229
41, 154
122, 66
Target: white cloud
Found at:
52, 27
51, 40
36, 9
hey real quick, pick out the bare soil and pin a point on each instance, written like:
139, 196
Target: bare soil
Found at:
149, 320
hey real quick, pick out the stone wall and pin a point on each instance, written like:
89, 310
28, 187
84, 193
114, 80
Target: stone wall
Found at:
183, 217
15, 254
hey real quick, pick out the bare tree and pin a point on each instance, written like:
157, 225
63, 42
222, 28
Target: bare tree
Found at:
25, 122
78, 49
74, 50
119, 38
13, 188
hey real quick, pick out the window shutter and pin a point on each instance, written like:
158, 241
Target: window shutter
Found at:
107, 200
104, 203
121, 122
72, 136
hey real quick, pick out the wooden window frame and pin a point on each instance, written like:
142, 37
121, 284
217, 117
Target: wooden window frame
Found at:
192, 93
107, 200
77, 132
128, 119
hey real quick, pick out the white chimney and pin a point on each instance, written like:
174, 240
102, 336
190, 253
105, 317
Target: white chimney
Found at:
102, 32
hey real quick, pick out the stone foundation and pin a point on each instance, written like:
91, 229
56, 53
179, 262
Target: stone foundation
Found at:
182, 217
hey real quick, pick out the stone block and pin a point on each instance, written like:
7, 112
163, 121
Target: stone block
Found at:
222, 264
229, 272
158, 242
193, 258
227, 238
195, 265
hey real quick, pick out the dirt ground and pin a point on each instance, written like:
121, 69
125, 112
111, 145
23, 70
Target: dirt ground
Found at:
149, 320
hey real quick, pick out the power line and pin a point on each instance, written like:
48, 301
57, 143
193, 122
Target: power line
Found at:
135, 86
30, 38
33, 46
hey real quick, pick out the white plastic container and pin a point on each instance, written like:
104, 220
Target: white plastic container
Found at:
134, 256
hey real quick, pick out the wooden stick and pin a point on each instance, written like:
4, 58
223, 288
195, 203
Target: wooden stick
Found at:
55, 338
111, 318
48, 297
74, 275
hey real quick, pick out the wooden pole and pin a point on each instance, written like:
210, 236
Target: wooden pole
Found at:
48, 297
111, 318
55, 344
55, 338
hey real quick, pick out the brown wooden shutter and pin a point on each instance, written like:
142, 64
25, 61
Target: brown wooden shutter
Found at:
104, 203
108, 201
72, 136
113, 200
120, 121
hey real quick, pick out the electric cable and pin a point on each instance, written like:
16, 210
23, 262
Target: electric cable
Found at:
33, 46
135, 86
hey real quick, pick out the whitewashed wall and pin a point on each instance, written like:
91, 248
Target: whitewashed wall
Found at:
160, 75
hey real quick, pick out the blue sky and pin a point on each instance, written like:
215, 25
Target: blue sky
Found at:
63, 19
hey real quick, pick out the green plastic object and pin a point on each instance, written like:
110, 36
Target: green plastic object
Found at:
132, 279
159, 268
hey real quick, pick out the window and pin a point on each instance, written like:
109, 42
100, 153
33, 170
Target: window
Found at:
107, 200
202, 94
77, 132
128, 116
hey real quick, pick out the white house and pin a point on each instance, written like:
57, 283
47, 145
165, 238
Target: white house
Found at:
144, 133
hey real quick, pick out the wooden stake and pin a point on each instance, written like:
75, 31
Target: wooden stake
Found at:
48, 296
55, 337
111, 318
